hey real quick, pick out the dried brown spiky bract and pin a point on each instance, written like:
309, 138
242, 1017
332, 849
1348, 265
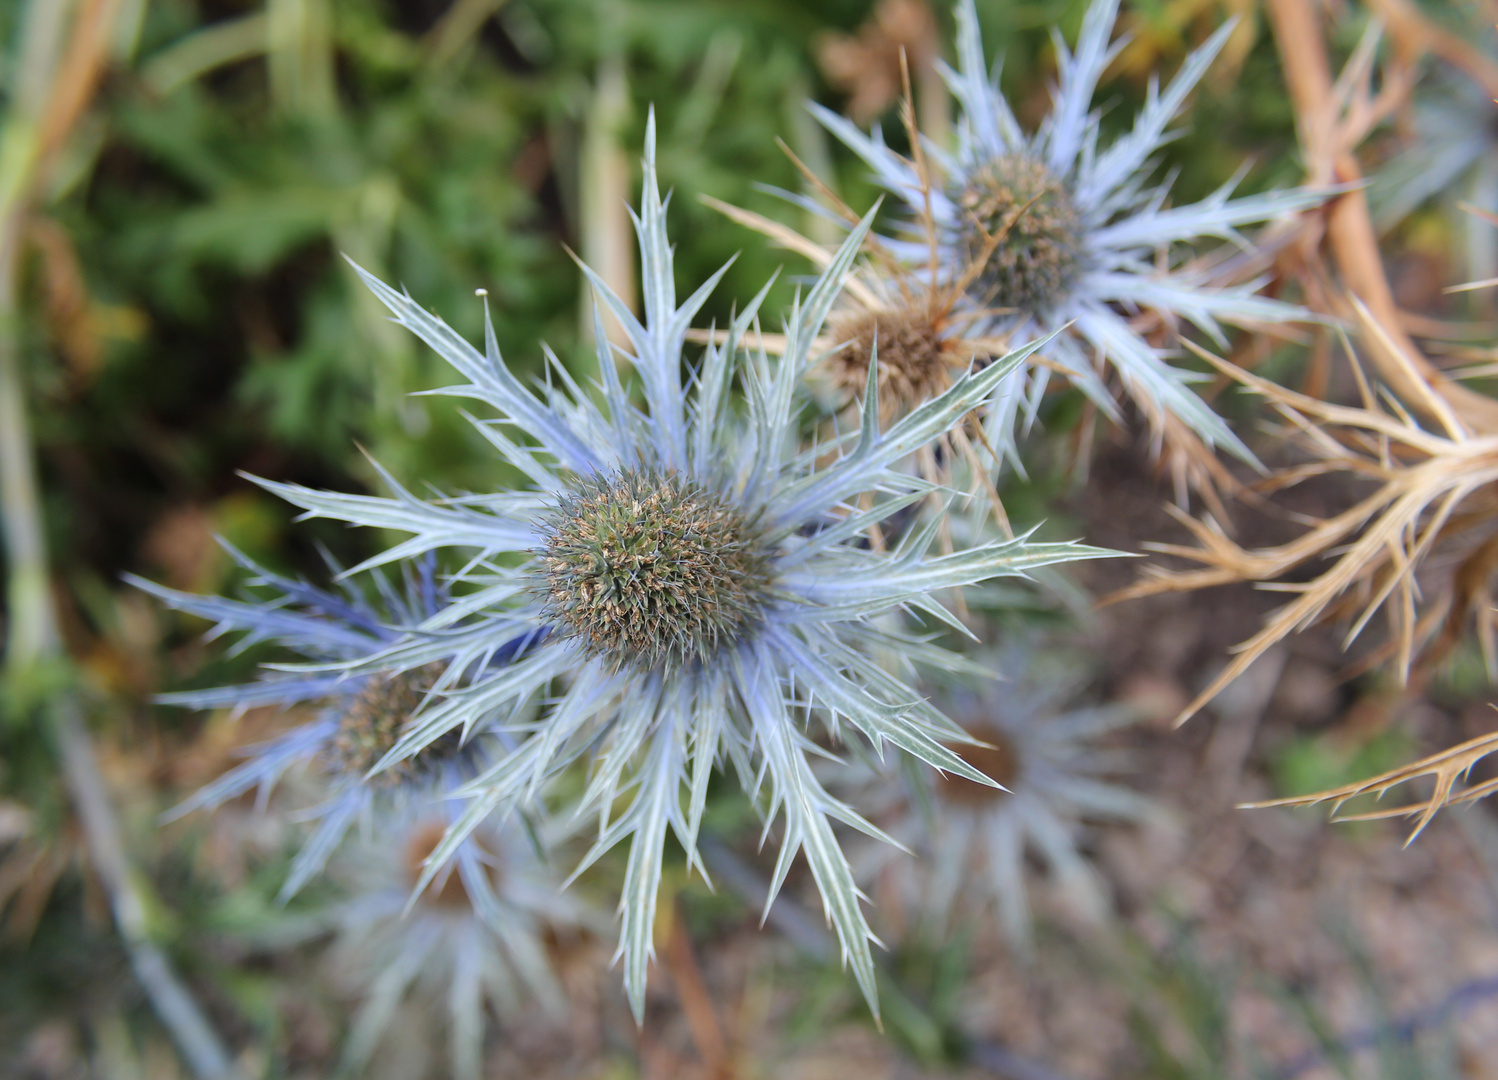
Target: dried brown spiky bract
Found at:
915, 361
1421, 547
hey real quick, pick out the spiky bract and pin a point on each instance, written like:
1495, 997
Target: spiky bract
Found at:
1001, 760
1019, 225
787, 644
650, 570
359, 716
1091, 243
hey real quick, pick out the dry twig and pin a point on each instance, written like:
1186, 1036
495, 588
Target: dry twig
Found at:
1428, 484
1447, 767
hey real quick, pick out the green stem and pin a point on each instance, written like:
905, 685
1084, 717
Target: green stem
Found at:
31, 634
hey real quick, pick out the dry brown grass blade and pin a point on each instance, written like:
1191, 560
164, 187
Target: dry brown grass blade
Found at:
1447, 767
790, 239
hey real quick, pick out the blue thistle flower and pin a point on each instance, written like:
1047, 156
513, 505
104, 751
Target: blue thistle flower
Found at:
1051, 234
698, 582
475, 935
972, 839
360, 715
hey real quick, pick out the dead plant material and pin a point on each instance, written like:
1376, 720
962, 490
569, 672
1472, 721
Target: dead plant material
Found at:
1333, 118
1435, 497
1449, 767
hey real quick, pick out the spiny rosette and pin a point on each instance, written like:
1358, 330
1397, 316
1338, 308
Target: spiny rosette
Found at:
1082, 240
469, 949
1019, 223
683, 584
651, 570
1045, 749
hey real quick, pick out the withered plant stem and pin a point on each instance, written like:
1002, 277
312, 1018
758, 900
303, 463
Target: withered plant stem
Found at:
1349, 228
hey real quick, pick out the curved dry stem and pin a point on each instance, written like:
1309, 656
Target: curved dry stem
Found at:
1449, 767
1333, 118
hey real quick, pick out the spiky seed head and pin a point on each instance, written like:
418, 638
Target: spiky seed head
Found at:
998, 761
1039, 251
915, 361
652, 571
447, 890
371, 723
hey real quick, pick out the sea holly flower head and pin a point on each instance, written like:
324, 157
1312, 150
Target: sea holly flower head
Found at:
1052, 233
972, 840
359, 718
696, 586
473, 936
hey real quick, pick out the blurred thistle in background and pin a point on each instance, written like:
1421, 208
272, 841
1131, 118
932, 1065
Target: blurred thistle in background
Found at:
475, 934
1051, 232
360, 717
1445, 140
972, 839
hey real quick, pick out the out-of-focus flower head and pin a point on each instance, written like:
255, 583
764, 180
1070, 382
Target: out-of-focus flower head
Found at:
1449, 149
698, 585
971, 840
473, 935
359, 716
1052, 232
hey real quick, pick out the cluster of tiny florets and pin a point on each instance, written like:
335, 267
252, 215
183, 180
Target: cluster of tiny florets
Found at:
1020, 222
651, 570
915, 362
372, 722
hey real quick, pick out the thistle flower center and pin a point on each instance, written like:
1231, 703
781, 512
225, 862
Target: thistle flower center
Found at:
1018, 219
371, 725
1000, 761
914, 360
651, 570
447, 889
